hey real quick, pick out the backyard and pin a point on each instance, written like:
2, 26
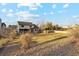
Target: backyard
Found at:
38, 38
11, 46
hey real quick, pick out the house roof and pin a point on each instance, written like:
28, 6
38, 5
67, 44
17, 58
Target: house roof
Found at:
24, 23
35, 26
3, 24
12, 26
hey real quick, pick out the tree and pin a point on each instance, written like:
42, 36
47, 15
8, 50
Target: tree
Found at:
76, 26
46, 27
49, 26
57, 27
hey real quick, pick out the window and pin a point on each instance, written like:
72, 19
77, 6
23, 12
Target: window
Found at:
22, 25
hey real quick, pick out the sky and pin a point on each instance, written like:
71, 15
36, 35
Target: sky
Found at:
57, 13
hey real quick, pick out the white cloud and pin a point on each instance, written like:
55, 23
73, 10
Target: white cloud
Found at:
35, 6
10, 10
3, 3
23, 4
60, 11
22, 14
10, 15
29, 4
51, 13
25, 15
32, 6
3, 10
76, 17
66, 5
37, 15
44, 13
54, 6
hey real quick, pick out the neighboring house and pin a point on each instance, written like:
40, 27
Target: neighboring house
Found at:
14, 27
23, 27
35, 28
2, 28
3, 25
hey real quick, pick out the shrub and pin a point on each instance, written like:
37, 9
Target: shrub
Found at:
25, 40
12, 35
3, 42
74, 33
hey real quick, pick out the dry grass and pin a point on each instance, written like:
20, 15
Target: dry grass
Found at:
12, 35
48, 48
40, 38
74, 34
29, 39
25, 40
3, 42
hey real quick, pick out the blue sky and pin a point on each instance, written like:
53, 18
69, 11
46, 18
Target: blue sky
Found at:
58, 13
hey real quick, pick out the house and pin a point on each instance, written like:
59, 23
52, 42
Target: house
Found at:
14, 27
23, 27
3, 25
2, 28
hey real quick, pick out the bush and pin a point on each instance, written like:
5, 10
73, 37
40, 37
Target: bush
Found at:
75, 34
25, 40
3, 42
12, 35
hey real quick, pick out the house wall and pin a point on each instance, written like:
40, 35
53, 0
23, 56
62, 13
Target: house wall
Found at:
20, 27
35, 30
25, 27
0, 27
